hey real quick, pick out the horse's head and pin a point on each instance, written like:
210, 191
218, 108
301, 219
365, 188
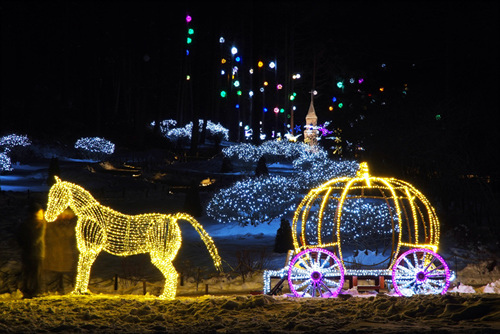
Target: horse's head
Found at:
59, 198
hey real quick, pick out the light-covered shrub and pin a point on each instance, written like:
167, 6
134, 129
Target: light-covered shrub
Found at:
5, 163
253, 201
9, 141
95, 148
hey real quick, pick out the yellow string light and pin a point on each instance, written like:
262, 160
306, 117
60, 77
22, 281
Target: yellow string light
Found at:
417, 221
100, 228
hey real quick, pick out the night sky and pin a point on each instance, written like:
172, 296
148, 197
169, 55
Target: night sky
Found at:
75, 68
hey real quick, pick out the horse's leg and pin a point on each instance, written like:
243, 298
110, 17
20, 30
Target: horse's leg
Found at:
167, 269
90, 240
85, 261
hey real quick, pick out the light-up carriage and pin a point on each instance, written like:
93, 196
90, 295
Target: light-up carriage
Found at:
367, 228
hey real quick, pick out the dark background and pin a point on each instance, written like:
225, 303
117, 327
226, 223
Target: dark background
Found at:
108, 68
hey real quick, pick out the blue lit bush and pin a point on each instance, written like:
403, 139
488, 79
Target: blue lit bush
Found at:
13, 140
94, 148
310, 174
259, 200
12, 145
274, 151
253, 201
165, 125
5, 163
244, 151
282, 150
182, 135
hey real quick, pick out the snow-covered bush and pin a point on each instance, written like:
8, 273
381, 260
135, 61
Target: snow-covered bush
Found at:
95, 148
308, 158
165, 125
8, 146
180, 136
322, 170
5, 164
183, 134
282, 150
216, 131
272, 150
253, 201
9, 141
244, 151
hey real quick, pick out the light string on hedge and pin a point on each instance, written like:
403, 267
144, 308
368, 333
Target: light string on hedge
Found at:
95, 145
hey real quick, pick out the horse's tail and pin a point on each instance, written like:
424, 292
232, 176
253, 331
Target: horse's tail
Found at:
209, 243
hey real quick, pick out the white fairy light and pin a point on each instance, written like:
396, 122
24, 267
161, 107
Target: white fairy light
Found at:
95, 145
12, 140
5, 163
253, 201
215, 130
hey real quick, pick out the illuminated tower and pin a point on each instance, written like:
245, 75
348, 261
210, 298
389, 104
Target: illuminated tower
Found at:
310, 130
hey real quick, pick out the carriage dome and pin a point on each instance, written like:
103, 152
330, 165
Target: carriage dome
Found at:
365, 215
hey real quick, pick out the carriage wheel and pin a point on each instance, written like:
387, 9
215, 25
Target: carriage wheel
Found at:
420, 271
315, 272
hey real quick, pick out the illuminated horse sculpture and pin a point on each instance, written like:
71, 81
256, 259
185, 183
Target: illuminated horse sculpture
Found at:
100, 228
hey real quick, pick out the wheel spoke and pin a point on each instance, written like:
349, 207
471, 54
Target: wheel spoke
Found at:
330, 282
327, 260
407, 284
430, 262
436, 268
326, 287
304, 264
407, 272
300, 271
408, 262
415, 259
303, 284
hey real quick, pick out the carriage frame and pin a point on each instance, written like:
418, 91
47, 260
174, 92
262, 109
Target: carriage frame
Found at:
316, 267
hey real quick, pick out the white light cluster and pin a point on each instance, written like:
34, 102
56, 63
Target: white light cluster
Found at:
253, 201
243, 151
312, 173
259, 200
6, 144
95, 145
9, 141
273, 149
5, 163
165, 125
214, 130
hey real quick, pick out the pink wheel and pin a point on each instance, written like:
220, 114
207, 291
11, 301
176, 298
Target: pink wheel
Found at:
315, 272
420, 271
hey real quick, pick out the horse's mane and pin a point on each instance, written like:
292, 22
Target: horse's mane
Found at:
79, 193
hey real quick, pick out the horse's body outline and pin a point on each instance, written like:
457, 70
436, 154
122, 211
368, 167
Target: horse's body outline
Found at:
100, 228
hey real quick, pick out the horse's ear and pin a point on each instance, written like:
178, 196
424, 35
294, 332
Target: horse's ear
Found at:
57, 179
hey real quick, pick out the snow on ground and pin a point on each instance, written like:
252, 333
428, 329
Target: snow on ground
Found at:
208, 302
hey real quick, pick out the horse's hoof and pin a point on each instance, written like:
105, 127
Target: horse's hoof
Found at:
164, 297
79, 293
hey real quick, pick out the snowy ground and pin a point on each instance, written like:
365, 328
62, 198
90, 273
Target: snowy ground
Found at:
231, 304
